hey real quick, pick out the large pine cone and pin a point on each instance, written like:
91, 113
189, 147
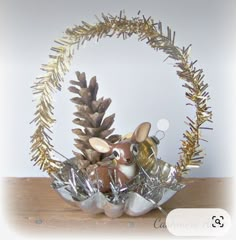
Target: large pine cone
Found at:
90, 120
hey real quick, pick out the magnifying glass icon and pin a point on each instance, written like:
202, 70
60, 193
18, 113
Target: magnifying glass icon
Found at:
217, 221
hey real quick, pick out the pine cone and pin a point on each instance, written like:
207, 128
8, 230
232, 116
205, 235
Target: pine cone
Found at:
90, 120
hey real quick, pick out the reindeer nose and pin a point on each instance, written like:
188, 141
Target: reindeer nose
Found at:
128, 160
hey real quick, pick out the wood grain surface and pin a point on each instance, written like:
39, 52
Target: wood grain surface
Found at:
35, 210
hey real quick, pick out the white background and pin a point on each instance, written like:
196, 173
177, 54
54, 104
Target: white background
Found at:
142, 87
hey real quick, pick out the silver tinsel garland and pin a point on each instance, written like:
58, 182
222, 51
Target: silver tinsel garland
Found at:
142, 194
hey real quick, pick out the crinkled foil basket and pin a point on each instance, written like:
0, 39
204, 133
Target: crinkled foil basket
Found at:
140, 196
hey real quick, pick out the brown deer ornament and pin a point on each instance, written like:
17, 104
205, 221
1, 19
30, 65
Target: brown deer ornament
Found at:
124, 153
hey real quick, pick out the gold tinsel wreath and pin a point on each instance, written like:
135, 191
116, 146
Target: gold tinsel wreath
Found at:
120, 26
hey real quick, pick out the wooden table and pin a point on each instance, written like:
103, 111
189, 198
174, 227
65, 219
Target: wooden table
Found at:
35, 210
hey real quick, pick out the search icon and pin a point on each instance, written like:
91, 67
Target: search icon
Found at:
217, 221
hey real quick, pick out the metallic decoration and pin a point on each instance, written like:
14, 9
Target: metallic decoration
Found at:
156, 181
142, 194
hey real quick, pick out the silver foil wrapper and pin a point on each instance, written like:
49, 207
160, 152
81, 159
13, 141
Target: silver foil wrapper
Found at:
142, 194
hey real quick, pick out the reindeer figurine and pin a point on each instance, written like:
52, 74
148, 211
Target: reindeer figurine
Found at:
124, 153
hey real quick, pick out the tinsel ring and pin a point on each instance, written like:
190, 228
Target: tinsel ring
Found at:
68, 179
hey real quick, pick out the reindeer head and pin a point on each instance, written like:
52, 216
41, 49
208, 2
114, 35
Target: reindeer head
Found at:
124, 150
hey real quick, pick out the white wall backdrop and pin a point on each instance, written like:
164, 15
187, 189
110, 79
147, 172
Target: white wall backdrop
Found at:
142, 87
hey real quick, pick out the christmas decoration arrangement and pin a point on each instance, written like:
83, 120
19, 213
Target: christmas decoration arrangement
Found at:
113, 173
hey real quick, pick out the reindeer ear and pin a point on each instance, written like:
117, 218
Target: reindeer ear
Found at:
99, 145
141, 132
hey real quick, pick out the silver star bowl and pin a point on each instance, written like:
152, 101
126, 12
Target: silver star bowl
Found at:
140, 196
